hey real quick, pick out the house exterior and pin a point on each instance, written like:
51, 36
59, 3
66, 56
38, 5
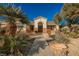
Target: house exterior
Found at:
41, 25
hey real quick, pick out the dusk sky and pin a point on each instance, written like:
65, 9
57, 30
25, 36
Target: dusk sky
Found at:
47, 10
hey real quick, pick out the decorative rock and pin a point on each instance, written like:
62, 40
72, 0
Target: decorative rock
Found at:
59, 49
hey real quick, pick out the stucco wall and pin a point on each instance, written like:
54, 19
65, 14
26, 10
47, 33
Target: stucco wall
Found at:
43, 20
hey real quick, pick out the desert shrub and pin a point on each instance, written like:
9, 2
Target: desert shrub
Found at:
65, 29
24, 44
60, 38
72, 31
15, 45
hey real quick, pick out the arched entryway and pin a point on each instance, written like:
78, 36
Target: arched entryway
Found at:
40, 24
40, 27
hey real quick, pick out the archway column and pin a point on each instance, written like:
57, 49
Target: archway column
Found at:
44, 27
35, 26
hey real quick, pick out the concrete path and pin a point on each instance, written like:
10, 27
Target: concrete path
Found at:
40, 48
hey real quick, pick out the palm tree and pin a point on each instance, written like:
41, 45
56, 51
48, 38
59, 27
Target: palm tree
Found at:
11, 15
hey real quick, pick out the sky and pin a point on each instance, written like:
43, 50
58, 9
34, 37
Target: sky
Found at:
47, 10
33, 10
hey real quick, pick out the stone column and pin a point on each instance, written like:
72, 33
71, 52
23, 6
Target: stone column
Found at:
35, 26
57, 27
44, 27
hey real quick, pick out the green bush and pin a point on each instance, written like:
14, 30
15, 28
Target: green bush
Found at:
14, 45
73, 31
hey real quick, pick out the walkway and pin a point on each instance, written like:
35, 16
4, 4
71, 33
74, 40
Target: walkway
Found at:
40, 47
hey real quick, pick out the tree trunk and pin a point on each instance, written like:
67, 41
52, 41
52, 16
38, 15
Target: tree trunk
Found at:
11, 28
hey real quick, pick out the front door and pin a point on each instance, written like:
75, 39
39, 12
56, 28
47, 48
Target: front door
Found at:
40, 27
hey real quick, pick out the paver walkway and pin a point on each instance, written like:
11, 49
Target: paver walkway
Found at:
40, 48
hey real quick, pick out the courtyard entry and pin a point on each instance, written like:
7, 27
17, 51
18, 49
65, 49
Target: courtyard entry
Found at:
40, 24
40, 27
